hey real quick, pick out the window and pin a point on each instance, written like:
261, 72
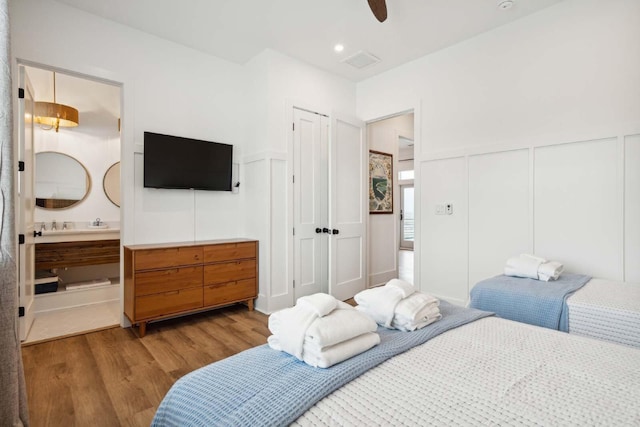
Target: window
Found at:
405, 175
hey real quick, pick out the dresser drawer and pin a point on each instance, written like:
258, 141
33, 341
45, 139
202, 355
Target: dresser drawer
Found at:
172, 279
222, 293
155, 305
229, 271
167, 257
229, 251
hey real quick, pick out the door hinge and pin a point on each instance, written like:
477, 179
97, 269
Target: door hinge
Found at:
293, 179
21, 239
20, 93
293, 126
20, 311
294, 283
20, 166
294, 231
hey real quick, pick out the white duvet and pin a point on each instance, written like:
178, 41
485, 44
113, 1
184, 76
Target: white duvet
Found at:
493, 372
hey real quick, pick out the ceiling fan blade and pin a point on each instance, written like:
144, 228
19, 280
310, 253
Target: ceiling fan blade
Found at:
379, 9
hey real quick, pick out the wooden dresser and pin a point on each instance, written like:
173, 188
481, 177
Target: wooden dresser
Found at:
166, 280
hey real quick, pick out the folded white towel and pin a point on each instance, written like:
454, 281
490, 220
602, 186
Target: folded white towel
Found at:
380, 303
407, 325
522, 266
414, 306
321, 304
427, 313
291, 325
406, 288
537, 258
550, 270
341, 325
337, 353
533, 267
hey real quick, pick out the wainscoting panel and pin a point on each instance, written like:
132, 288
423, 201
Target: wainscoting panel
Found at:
499, 214
578, 210
443, 254
256, 190
280, 286
632, 209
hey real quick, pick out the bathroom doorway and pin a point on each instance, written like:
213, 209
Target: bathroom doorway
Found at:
76, 211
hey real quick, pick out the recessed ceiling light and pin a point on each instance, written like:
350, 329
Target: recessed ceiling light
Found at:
505, 4
338, 48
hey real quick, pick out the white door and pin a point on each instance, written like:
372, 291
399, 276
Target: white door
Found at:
310, 203
26, 205
347, 208
407, 217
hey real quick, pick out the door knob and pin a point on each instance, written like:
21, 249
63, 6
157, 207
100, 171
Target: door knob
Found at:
318, 230
37, 233
325, 230
335, 231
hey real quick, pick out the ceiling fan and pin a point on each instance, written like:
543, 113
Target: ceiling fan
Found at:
379, 9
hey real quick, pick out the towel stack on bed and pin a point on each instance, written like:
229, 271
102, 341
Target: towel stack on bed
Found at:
397, 305
322, 331
533, 267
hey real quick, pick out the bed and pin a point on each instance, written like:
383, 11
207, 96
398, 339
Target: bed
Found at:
487, 371
578, 304
606, 310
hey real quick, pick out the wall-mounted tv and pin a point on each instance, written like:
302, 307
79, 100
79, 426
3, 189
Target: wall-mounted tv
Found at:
176, 162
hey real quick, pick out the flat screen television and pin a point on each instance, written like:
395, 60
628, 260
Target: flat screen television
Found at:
176, 162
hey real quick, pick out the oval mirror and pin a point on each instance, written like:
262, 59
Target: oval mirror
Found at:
111, 183
61, 181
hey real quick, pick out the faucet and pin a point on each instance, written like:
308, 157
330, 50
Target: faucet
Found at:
53, 225
64, 225
97, 222
43, 226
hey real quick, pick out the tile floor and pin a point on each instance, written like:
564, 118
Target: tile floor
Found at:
73, 321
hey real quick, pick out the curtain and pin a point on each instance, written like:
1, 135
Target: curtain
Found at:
13, 403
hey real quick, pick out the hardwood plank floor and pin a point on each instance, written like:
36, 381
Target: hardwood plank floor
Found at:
112, 377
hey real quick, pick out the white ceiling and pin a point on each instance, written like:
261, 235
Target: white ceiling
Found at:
237, 30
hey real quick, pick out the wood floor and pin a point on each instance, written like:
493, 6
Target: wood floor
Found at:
113, 378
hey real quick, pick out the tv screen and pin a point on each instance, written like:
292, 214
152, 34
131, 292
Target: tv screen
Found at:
176, 162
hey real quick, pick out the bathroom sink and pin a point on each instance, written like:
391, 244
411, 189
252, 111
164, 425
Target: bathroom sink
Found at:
89, 229
78, 234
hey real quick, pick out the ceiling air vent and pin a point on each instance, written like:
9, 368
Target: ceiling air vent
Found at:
361, 60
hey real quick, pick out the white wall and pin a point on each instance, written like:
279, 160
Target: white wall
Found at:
496, 111
384, 236
167, 88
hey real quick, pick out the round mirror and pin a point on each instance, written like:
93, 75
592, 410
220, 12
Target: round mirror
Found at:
61, 181
111, 183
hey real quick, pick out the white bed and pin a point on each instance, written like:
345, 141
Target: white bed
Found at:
490, 371
493, 372
606, 310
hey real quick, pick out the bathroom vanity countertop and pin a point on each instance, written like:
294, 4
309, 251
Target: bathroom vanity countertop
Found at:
78, 235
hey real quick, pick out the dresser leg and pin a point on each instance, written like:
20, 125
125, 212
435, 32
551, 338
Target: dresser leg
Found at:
250, 304
143, 329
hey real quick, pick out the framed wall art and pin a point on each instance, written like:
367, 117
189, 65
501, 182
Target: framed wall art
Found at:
380, 183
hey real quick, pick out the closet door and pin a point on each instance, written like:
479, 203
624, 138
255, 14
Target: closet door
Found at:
310, 203
347, 207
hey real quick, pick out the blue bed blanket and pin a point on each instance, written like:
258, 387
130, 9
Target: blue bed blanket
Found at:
527, 300
265, 387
